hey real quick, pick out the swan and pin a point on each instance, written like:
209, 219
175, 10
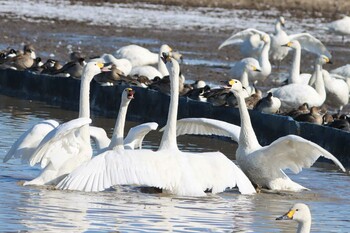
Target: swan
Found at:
278, 38
295, 94
264, 165
137, 55
150, 71
180, 173
342, 72
68, 145
337, 91
301, 214
340, 27
263, 58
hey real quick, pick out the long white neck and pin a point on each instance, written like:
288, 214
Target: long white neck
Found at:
264, 59
304, 227
247, 137
84, 105
117, 140
277, 27
294, 73
319, 83
244, 79
169, 136
161, 66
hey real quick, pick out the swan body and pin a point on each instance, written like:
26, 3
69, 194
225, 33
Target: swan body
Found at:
177, 172
122, 64
264, 165
301, 214
343, 72
137, 55
26, 144
295, 94
340, 26
337, 91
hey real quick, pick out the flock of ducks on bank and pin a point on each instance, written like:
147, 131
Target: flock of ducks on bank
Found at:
64, 151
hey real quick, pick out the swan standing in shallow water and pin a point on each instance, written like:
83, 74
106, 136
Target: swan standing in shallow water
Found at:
263, 165
180, 173
301, 214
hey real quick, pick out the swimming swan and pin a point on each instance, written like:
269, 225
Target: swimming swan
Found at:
301, 214
180, 173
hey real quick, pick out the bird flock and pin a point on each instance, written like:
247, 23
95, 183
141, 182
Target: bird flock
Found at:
64, 151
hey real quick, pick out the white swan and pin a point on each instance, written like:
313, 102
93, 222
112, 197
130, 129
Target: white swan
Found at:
340, 26
137, 55
181, 173
263, 58
279, 38
295, 94
337, 91
68, 145
263, 165
301, 214
150, 71
343, 72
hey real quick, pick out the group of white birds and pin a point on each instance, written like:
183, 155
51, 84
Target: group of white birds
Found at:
64, 151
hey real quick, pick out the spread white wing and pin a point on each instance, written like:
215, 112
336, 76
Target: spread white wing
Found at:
311, 44
136, 135
242, 36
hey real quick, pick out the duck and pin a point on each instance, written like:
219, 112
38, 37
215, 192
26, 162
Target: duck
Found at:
340, 26
22, 61
179, 173
300, 213
109, 78
269, 104
342, 123
73, 69
302, 109
295, 94
313, 116
264, 165
51, 66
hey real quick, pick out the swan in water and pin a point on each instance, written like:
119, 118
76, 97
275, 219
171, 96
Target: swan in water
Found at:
340, 27
263, 57
295, 94
301, 214
264, 165
168, 168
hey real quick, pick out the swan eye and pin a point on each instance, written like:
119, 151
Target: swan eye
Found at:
297, 210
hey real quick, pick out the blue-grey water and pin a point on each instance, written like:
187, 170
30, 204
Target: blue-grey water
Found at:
127, 209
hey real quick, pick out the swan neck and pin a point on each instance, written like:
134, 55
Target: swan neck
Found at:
319, 83
264, 57
169, 136
295, 68
304, 227
277, 27
162, 67
84, 106
244, 79
118, 132
247, 137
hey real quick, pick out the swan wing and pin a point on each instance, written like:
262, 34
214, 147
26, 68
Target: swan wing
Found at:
26, 144
206, 126
59, 143
99, 136
134, 167
136, 135
237, 38
311, 44
294, 152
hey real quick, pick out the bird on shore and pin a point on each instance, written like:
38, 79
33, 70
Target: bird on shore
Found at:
300, 213
313, 116
340, 27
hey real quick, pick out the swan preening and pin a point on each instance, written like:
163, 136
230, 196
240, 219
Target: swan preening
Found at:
168, 168
300, 213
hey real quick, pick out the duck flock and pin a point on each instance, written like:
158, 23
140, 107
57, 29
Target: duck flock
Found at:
64, 151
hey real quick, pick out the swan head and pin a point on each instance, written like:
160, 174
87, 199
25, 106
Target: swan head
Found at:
174, 54
265, 38
294, 44
91, 69
299, 212
165, 49
281, 21
322, 59
171, 63
128, 94
234, 85
252, 65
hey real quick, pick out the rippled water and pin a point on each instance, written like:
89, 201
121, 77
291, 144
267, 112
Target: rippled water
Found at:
127, 209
